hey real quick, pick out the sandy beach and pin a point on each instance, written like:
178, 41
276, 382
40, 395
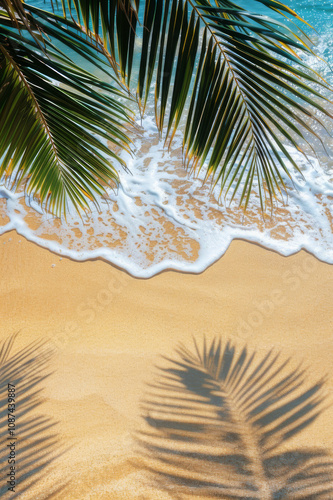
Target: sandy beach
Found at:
108, 330
137, 140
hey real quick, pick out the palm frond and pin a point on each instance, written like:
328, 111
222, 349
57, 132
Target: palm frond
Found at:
56, 117
36, 443
218, 421
19, 17
237, 77
111, 23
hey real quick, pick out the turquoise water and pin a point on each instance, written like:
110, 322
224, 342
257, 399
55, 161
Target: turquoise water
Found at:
317, 13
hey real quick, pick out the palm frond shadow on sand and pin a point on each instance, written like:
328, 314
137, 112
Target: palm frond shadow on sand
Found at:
36, 444
218, 420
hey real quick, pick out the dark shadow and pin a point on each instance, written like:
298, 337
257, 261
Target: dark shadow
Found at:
30, 436
218, 421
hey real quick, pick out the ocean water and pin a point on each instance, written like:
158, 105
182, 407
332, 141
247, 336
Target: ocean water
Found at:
162, 218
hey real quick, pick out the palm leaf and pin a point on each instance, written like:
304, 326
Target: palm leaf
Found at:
19, 17
55, 117
246, 87
111, 23
218, 422
36, 444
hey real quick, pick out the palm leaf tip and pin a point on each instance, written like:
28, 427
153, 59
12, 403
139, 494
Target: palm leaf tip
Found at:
218, 420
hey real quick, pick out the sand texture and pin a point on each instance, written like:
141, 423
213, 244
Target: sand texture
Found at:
107, 331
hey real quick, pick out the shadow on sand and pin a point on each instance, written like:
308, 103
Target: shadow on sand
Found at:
29, 436
218, 421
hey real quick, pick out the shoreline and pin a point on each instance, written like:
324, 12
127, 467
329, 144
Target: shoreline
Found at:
119, 268
109, 330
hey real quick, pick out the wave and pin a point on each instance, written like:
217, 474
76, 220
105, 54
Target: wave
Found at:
160, 218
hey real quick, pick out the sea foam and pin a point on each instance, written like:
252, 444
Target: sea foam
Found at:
162, 218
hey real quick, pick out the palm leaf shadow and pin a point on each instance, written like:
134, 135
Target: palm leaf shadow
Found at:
36, 444
217, 419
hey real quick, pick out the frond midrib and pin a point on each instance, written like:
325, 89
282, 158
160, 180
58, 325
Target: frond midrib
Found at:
39, 111
235, 79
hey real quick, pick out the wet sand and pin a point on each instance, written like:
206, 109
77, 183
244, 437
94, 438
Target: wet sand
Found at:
108, 330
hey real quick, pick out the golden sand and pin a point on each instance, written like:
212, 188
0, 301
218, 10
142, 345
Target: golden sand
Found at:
109, 329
